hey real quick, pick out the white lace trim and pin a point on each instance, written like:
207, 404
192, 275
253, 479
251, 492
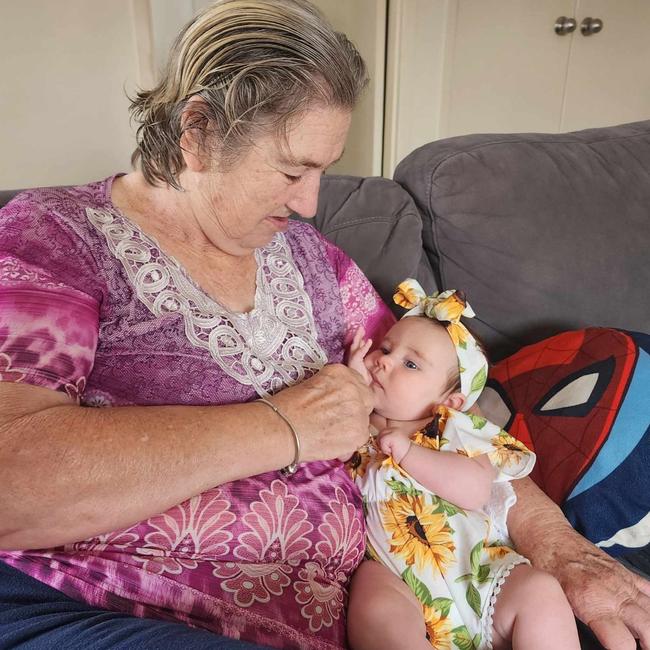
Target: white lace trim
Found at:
502, 498
501, 577
272, 346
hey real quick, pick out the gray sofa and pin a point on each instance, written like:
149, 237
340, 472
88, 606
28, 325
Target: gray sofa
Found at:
543, 232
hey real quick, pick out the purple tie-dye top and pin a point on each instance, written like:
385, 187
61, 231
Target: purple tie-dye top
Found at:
89, 305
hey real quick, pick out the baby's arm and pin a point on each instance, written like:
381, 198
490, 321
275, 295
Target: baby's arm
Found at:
465, 482
358, 350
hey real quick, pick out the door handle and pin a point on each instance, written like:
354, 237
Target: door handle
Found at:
591, 26
564, 25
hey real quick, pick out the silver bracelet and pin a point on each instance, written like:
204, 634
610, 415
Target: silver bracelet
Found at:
290, 469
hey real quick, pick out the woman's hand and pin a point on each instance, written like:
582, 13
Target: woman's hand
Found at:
330, 411
610, 599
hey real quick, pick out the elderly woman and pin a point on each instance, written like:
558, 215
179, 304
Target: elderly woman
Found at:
182, 297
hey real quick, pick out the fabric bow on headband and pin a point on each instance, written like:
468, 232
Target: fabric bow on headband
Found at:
447, 307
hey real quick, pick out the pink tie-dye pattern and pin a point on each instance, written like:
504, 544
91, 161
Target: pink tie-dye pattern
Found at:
262, 559
50, 329
275, 542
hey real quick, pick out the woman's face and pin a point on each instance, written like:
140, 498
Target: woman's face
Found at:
242, 208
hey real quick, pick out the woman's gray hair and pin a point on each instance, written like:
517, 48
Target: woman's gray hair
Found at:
256, 64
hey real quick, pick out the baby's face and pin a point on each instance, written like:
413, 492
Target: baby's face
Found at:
410, 370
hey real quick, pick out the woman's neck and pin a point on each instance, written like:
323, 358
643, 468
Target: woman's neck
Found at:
158, 210
167, 215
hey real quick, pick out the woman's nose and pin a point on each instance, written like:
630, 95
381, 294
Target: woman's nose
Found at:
304, 201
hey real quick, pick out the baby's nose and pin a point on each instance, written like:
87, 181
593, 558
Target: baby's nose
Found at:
384, 361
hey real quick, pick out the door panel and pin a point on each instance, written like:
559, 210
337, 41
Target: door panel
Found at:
506, 67
609, 72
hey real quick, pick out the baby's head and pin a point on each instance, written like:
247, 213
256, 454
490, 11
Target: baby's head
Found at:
427, 359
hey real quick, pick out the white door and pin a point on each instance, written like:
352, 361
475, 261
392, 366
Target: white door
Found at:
466, 66
609, 72
506, 67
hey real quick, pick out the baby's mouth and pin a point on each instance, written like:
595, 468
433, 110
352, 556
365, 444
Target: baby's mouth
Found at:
375, 381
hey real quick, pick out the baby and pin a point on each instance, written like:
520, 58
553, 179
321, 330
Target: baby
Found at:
436, 497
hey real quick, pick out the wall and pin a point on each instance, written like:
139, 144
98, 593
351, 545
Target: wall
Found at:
65, 68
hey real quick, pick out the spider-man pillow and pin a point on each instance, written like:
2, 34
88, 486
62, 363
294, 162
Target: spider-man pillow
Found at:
581, 400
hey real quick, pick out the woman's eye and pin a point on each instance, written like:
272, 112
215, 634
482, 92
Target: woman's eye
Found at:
291, 178
411, 365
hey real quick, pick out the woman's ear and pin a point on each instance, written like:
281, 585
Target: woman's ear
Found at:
455, 401
194, 132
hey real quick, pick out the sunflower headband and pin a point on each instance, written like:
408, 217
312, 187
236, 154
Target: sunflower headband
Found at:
447, 307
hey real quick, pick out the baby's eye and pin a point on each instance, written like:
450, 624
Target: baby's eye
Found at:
410, 365
384, 350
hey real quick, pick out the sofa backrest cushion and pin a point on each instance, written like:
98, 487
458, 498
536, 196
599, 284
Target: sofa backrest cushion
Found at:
7, 195
544, 232
377, 224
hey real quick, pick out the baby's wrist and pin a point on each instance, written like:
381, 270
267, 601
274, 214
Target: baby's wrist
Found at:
406, 448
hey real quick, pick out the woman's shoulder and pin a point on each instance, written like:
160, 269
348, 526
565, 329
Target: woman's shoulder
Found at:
61, 203
48, 227
300, 231
305, 239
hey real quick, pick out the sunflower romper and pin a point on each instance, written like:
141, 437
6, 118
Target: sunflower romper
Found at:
454, 560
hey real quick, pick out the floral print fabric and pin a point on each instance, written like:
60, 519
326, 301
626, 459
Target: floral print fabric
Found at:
264, 559
454, 560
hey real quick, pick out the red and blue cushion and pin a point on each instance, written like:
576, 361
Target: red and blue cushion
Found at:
581, 401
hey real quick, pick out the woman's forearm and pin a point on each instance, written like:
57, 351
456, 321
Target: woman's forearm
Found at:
537, 526
70, 472
610, 599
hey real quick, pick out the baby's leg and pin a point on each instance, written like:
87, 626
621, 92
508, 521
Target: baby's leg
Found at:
383, 612
532, 613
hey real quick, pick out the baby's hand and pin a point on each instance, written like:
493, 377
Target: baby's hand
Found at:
394, 442
358, 350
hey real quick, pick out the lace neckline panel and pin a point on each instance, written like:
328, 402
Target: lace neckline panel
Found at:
273, 346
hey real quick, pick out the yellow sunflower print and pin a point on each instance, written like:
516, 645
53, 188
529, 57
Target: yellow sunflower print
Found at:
438, 628
507, 450
496, 550
407, 295
418, 534
431, 437
449, 308
458, 333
